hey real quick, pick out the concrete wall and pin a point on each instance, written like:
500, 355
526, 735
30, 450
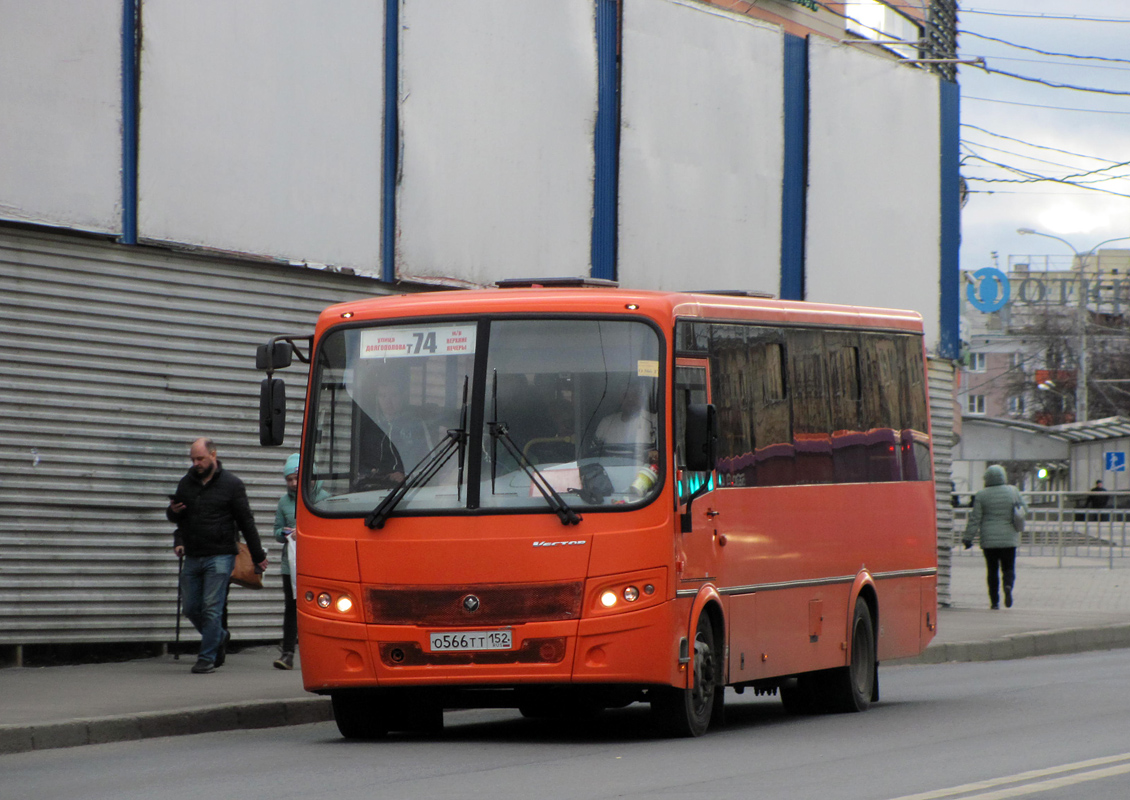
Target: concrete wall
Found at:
497, 107
701, 149
873, 222
260, 128
60, 128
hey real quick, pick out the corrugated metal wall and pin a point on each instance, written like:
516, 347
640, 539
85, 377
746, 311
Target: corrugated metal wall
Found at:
941, 379
112, 359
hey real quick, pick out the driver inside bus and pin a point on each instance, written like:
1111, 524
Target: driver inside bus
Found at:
393, 438
631, 429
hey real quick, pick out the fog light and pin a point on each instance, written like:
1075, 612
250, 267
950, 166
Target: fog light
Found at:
309, 597
648, 589
344, 604
608, 599
324, 600
631, 594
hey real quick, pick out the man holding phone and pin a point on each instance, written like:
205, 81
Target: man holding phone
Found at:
210, 508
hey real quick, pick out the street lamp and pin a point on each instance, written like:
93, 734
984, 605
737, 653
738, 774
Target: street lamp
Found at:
1081, 396
1051, 387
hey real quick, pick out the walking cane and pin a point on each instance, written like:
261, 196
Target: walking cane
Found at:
180, 568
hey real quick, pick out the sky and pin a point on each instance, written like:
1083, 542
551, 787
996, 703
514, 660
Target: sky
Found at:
1034, 128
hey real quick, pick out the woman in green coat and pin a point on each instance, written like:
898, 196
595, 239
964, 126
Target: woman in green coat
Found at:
284, 531
991, 521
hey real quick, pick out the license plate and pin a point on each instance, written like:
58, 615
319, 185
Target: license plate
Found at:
464, 641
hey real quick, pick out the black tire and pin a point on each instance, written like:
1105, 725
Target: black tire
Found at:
689, 712
798, 696
358, 715
372, 714
850, 688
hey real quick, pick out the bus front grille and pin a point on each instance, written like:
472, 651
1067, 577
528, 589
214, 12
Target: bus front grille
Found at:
496, 604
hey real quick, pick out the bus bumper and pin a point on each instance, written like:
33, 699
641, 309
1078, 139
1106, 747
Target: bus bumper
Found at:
620, 648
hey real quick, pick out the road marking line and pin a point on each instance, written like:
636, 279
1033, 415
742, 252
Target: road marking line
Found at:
1032, 775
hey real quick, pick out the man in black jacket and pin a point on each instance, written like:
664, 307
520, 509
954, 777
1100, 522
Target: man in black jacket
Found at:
209, 506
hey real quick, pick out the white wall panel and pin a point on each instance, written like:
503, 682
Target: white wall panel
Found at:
261, 127
701, 149
60, 113
873, 228
497, 109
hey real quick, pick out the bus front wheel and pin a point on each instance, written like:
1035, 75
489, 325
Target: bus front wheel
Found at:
371, 714
689, 711
359, 715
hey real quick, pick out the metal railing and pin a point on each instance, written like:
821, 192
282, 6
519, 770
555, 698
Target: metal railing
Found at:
1062, 524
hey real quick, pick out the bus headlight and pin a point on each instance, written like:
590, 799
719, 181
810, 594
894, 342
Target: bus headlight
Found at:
622, 593
332, 603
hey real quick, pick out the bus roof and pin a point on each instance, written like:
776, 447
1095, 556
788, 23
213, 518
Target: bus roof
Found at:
657, 305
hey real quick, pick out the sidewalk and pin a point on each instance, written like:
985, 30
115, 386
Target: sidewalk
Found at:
1082, 606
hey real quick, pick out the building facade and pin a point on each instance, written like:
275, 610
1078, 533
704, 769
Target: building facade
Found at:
179, 181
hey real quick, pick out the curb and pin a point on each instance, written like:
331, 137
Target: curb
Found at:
1025, 645
148, 725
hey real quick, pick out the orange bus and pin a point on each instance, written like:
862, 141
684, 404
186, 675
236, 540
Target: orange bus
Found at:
569, 498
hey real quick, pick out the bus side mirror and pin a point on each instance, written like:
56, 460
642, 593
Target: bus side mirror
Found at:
701, 441
272, 412
269, 357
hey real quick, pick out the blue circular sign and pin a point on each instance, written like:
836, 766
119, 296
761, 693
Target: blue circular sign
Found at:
988, 290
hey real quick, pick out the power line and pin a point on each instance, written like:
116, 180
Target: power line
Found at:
1038, 105
1023, 15
1044, 52
1050, 84
1058, 64
1037, 146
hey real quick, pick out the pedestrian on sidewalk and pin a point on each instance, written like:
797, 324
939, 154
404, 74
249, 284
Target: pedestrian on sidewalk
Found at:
991, 520
284, 534
210, 509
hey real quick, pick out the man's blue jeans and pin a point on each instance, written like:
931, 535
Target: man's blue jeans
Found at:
204, 585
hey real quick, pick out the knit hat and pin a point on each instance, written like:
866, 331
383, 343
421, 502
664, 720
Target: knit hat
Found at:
291, 465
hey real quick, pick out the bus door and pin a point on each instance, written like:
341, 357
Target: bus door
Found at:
697, 536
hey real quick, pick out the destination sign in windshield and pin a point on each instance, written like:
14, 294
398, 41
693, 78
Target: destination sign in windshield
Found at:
418, 340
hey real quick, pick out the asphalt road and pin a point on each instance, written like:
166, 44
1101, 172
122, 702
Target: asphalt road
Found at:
1054, 727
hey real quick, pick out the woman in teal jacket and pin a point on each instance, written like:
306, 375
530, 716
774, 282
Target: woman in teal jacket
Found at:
991, 520
284, 530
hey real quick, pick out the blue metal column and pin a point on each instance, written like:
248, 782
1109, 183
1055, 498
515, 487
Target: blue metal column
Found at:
391, 148
949, 341
131, 35
794, 186
606, 141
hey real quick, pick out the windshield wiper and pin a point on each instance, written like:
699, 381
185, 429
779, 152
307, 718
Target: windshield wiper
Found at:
454, 441
500, 433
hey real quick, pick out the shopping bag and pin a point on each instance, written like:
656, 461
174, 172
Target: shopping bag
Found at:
292, 559
243, 571
1018, 516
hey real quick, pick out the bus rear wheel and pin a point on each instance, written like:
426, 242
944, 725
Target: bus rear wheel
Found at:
851, 688
688, 711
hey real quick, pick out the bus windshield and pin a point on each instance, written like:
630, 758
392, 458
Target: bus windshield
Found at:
574, 402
